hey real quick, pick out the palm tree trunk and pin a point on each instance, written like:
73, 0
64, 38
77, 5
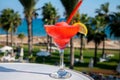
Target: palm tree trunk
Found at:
71, 54
29, 22
32, 32
48, 42
7, 38
103, 49
95, 56
50, 50
81, 49
11, 38
22, 42
119, 52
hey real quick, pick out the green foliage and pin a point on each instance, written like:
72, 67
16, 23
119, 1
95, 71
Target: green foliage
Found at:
115, 24
10, 20
21, 36
69, 5
29, 6
49, 14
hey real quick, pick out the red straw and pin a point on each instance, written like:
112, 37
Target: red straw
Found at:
73, 12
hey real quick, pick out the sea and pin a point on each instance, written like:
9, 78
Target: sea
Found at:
38, 28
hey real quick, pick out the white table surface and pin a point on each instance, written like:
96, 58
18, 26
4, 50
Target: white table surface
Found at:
32, 71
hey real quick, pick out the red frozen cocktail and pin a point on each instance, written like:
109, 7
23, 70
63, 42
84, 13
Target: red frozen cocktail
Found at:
61, 33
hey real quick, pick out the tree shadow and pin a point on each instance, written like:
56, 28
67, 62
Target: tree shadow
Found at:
81, 64
106, 66
4, 69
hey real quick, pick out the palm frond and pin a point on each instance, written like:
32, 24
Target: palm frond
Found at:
28, 6
69, 5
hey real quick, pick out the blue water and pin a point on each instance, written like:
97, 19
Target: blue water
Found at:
38, 28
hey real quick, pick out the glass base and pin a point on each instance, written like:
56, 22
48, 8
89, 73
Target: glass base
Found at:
61, 74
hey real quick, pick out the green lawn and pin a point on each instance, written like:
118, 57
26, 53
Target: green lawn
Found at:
87, 53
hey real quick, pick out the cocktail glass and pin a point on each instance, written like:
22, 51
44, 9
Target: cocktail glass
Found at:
61, 33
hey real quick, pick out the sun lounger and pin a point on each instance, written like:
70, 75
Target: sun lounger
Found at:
103, 59
7, 58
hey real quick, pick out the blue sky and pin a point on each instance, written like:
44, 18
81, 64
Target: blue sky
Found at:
87, 7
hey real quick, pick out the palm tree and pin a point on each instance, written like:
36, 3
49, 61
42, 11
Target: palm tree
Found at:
95, 34
84, 19
115, 25
21, 36
9, 22
49, 17
69, 6
29, 6
104, 12
16, 21
3, 17
0, 22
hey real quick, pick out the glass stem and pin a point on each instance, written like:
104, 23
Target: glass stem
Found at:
61, 59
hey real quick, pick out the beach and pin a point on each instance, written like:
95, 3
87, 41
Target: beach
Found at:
109, 44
